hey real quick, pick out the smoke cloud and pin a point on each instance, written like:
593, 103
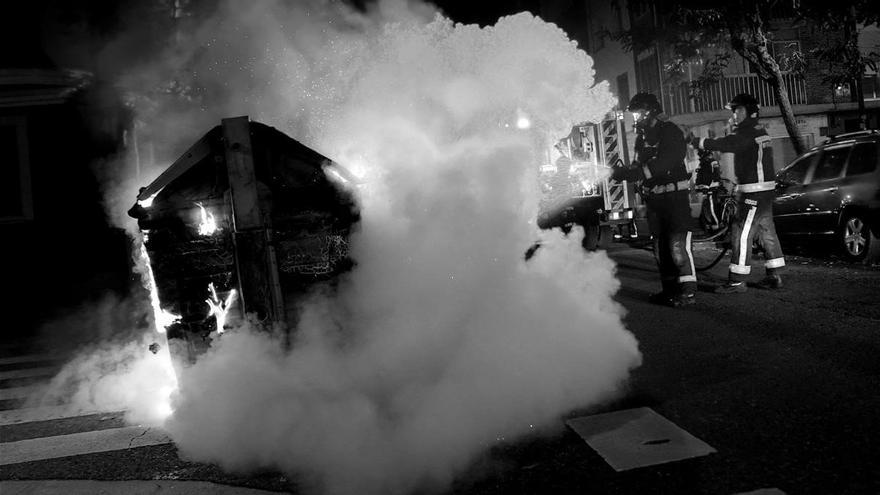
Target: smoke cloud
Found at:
111, 368
442, 340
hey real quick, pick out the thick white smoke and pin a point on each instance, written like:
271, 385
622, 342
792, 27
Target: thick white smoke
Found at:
442, 339
111, 368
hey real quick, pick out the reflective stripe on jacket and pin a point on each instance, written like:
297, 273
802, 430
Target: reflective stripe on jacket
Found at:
682, 185
660, 150
752, 156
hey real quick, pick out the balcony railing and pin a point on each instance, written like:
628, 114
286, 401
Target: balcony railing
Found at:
717, 94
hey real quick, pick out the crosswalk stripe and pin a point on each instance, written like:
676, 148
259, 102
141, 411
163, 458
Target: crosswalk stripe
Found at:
18, 392
43, 413
28, 372
31, 358
33, 367
39, 449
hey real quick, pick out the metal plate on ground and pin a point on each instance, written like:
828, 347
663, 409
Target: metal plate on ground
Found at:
634, 438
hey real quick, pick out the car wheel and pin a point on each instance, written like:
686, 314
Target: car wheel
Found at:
855, 237
597, 237
591, 237
873, 249
605, 236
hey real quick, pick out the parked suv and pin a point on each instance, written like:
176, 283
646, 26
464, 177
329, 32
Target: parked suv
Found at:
833, 190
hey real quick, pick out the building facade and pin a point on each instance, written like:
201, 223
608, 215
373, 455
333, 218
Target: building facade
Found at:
820, 109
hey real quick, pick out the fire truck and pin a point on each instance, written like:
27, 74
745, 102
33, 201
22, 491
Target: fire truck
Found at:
576, 186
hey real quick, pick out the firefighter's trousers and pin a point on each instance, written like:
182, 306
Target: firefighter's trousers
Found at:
669, 219
754, 220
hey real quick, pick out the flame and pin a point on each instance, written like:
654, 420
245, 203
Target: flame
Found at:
163, 318
219, 309
522, 120
336, 175
146, 203
163, 406
208, 224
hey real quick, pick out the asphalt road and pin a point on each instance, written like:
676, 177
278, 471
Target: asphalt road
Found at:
782, 384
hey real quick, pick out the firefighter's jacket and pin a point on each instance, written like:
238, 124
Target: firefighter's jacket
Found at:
660, 151
708, 171
752, 156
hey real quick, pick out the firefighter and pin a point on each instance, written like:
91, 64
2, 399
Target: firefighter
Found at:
755, 177
707, 181
659, 166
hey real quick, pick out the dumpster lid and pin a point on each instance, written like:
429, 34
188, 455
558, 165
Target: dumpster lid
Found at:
204, 146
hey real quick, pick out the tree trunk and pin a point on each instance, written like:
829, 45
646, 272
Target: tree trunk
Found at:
748, 38
785, 110
752, 45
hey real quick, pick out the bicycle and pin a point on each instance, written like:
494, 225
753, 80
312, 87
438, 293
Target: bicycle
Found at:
712, 242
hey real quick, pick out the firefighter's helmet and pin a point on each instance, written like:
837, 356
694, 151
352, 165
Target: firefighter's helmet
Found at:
744, 100
644, 103
643, 106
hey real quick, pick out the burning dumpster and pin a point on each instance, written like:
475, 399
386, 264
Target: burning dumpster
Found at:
241, 225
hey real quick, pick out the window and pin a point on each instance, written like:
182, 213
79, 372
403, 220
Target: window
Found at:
623, 90
863, 159
871, 87
618, 15
831, 164
598, 36
15, 180
796, 173
639, 8
648, 72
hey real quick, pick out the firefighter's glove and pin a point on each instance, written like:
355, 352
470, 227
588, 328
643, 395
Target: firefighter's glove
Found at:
619, 173
703, 178
647, 154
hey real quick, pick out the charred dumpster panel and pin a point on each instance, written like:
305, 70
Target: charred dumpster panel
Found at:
245, 221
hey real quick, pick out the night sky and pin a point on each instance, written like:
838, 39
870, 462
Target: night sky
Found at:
28, 28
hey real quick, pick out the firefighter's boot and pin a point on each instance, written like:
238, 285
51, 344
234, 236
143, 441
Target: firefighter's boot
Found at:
770, 282
673, 300
683, 299
687, 294
731, 287
664, 297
